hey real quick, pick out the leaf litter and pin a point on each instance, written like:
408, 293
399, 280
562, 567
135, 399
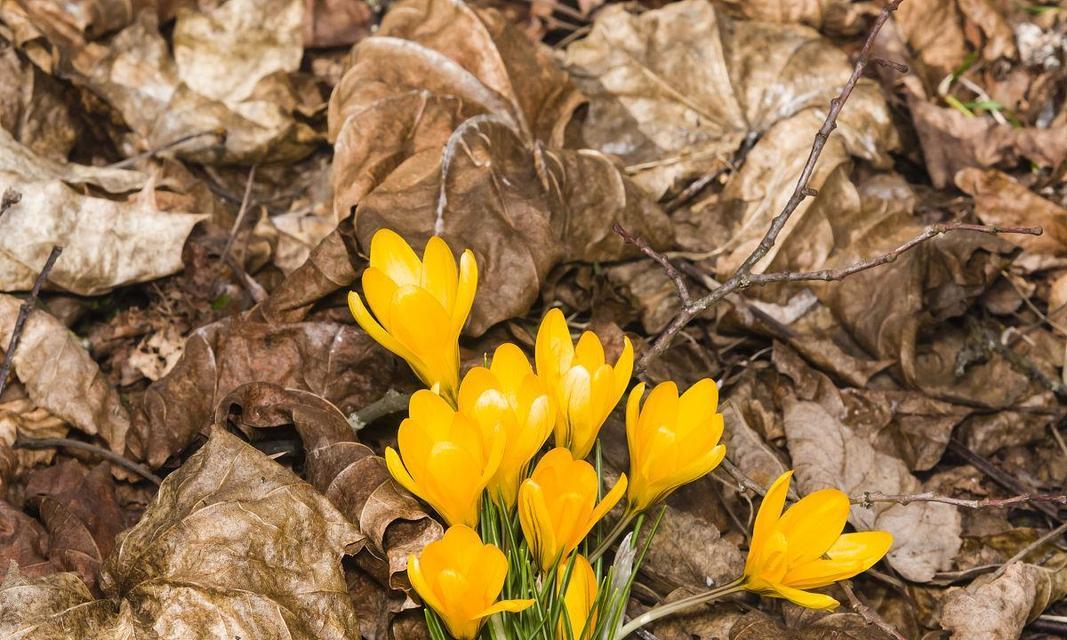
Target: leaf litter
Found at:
195, 323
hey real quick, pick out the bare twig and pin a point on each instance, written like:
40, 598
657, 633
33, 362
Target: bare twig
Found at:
1036, 544
869, 498
241, 212
741, 278
106, 454
676, 277
24, 312
392, 402
1005, 480
10, 198
869, 615
218, 133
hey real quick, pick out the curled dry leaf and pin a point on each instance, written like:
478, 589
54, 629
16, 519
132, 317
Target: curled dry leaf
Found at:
106, 243
348, 473
17, 159
33, 107
336, 23
827, 454
442, 75
213, 556
677, 90
23, 541
338, 362
998, 609
747, 450
60, 376
79, 508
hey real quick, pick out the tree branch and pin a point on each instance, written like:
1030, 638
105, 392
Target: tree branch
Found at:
106, 454
870, 497
24, 312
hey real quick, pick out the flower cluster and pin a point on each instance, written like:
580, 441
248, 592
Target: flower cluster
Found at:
525, 515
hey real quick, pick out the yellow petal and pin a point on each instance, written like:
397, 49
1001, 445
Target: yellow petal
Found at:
607, 504
465, 290
806, 598
439, 274
766, 519
589, 352
510, 366
377, 331
814, 523
852, 554
391, 254
422, 586
553, 351
623, 369
510, 606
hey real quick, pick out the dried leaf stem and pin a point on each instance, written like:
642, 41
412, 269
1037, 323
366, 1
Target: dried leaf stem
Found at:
24, 312
106, 454
869, 615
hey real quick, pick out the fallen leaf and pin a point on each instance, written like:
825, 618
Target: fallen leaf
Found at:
926, 535
756, 625
213, 556
224, 52
1001, 200
17, 159
672, 100
23, 541
106, 243
61, 377
336, 23
747, 450
835, 16
79, 509
998, 609
338, 362
348, 473
468, 122
951, 141
35, 107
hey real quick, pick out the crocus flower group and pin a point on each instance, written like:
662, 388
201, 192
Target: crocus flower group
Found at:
467, 441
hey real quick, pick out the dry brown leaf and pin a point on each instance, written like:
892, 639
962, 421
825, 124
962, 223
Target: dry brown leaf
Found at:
23, 417
756, 625
354, 479
442, 75
834, 16
33, 107
336, 23
106, 243
338, 362
747, 450
1000, 200
214, 556
827, 454
951, 141
23, 541
60, 376
681, 87
689, 551
998, 609
17, 159
79, 508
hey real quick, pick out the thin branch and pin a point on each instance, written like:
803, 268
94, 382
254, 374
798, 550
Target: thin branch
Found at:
676, 277
741, 278
1005, 480
24, 312
1036, 544
106, 454
869, 615
245, 200
869, 498
392, 402
218, 133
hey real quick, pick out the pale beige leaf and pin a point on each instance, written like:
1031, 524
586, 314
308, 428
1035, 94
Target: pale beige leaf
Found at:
998, 609
106, 244
20, 160
223, 53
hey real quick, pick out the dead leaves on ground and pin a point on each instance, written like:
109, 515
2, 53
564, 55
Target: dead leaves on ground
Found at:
445, 118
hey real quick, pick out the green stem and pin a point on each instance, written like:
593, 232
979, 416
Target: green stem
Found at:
613, 535
665, 610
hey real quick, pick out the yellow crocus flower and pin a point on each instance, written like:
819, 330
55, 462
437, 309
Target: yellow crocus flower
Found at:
804, 547
460, 578
558, 507
586, 388
447, 459
578, 600
673, 441
419, 306
510, 397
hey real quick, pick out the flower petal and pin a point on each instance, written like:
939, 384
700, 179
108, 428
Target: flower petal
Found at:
766, 519
813, 524
393, 256
510, 606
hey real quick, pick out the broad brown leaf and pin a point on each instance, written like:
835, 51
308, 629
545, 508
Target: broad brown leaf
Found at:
23, 541
348, 473
756, 625
998, 609
450, 123
1001, 200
